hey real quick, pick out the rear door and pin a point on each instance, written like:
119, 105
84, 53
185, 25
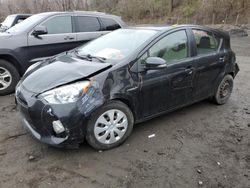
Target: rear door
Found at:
171, 87
211, 60
88, 28
60, 37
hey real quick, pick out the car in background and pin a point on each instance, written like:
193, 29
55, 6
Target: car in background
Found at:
12, 20
99, 90
47, 34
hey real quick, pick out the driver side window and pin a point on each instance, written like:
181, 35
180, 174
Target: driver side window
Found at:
171, 48
59, 25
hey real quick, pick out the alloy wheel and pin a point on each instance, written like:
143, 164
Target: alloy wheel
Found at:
5, 78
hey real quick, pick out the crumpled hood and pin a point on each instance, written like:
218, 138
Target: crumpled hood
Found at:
62, 70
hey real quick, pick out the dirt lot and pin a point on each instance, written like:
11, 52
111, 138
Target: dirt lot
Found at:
201, 144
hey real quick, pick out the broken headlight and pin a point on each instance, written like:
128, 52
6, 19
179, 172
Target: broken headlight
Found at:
66, 94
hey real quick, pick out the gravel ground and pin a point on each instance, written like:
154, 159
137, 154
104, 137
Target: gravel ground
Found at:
203, 145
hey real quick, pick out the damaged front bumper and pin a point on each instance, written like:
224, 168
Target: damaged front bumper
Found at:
38, 117
50, 140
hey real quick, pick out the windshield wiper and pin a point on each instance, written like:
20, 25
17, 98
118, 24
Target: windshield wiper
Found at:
89, 57
101, 59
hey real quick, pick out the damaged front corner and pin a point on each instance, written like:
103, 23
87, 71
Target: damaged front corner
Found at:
91, 100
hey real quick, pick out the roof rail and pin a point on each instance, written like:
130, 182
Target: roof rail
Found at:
83, 11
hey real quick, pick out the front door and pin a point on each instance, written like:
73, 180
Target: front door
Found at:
60, 38
171, 87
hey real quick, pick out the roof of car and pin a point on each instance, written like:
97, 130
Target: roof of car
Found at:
77, 12
20, 15
168, 27
163, 27
150, 27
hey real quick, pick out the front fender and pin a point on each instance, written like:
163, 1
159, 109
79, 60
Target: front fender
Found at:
12, 57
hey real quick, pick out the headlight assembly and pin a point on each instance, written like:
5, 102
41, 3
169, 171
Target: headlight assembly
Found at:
66, 94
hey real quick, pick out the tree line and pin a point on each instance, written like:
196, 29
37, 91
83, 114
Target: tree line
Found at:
143, 11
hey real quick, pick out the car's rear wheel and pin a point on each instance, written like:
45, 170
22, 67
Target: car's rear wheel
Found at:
9, 77
109, 126
224, 90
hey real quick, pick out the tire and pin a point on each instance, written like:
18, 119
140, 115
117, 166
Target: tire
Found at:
10, 78
99, 135
224, 90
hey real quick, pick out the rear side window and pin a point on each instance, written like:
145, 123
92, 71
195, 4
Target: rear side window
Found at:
110, 24
88, 24
58, 25
206, 42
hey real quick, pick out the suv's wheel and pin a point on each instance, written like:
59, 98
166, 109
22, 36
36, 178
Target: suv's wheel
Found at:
9, 77
109, 126
224, 90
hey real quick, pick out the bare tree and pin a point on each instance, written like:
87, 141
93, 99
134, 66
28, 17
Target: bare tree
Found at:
171, 5
140, 10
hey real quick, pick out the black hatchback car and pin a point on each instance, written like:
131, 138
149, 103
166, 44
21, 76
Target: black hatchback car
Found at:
100, 90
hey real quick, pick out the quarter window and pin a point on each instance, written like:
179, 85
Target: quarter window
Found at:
58, 25
173, 47
205, 41
110, 24
88, 24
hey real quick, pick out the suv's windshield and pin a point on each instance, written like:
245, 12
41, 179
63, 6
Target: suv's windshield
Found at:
8, 21
26, 24
118, 44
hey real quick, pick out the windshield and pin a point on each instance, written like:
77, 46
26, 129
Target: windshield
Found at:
8, 21
26, 24
118, 44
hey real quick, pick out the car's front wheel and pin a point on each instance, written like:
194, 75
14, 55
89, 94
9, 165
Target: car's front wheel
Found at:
9, 77
224, 90
110, 126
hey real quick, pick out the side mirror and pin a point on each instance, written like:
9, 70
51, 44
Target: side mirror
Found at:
155, 63
40, 30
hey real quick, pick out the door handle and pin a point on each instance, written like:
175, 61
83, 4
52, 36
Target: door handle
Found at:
222, 59
69, 38
189, 70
